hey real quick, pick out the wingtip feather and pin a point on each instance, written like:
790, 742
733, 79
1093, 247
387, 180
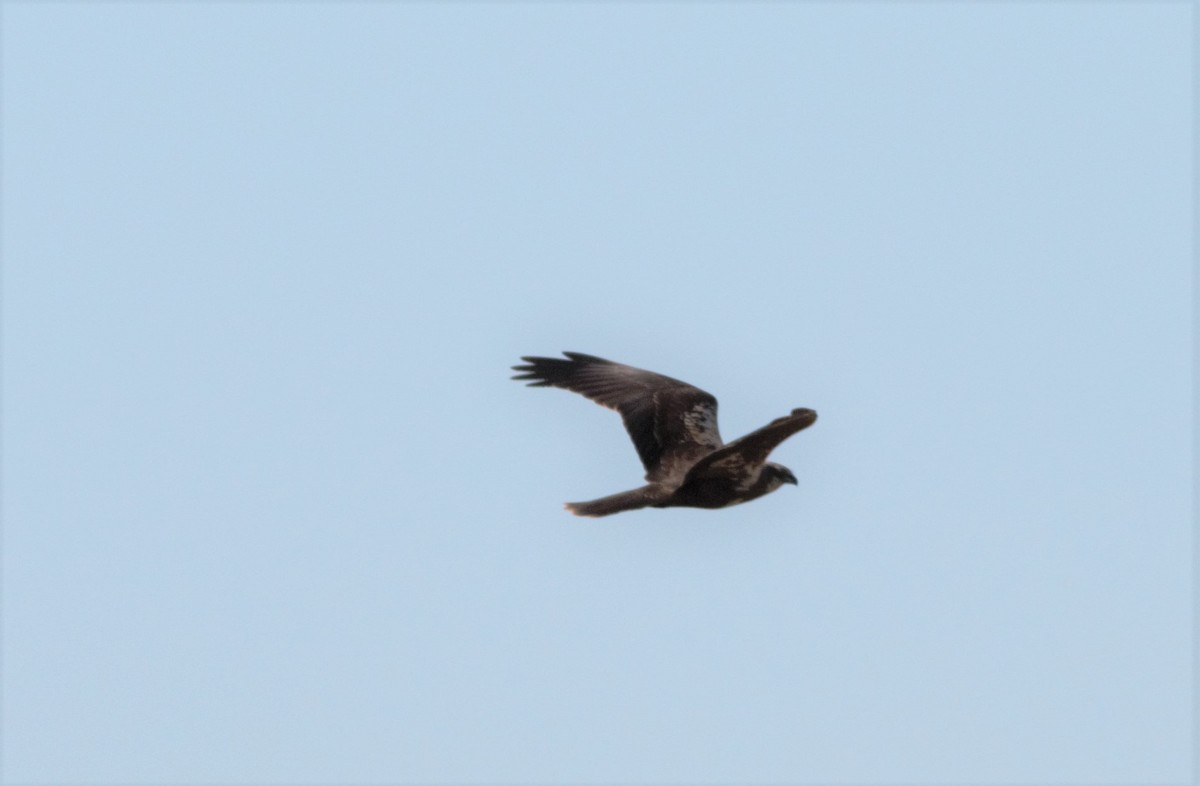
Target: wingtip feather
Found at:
574, 509
581, 357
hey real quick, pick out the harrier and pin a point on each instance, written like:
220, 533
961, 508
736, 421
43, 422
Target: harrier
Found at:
674, 428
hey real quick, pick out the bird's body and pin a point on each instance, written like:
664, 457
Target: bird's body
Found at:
674, 428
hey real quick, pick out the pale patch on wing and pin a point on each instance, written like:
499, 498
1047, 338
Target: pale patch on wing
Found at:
734, 462
736, 466
701, 424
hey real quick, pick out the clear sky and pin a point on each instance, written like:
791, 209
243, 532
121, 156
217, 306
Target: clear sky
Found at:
274, 512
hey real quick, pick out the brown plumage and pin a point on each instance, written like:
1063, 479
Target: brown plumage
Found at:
673, 426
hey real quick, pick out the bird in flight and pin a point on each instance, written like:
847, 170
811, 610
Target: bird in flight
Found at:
674, 428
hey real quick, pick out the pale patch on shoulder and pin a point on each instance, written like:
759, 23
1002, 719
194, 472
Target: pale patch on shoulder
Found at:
731, 463
701, 424
735, 466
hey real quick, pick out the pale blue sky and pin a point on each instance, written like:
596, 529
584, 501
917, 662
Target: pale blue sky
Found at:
273, 511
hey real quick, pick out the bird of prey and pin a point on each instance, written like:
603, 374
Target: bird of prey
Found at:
674, 428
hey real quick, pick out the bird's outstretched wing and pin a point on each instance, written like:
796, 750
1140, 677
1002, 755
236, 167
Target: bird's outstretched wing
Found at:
671, 423
741, 459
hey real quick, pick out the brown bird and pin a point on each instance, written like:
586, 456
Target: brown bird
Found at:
674, 428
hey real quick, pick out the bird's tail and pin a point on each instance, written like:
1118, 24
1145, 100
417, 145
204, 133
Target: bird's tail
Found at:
606, 506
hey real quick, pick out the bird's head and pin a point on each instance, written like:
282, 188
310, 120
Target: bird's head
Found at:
778, 474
